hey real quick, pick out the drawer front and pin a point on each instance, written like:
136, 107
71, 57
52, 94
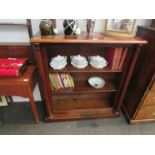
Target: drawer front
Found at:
153, 86
149, 99
146, 112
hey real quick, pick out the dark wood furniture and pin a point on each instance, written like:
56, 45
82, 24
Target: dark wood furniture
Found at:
153, 23
24, 85
84, 101
139, 102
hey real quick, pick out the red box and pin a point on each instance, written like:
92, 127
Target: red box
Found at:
11, 66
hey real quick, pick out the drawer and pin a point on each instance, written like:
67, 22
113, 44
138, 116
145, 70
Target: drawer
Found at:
153, 86
150, 98
146, 112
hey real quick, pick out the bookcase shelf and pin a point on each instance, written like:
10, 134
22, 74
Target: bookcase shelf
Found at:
75, 104
83, 87
83, 101
70, 69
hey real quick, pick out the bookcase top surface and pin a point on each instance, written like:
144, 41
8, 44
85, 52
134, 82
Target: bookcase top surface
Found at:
87, 38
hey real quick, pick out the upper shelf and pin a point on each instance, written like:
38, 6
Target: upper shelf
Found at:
85, 38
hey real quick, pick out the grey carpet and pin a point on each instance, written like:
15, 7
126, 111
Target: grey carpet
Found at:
17, 119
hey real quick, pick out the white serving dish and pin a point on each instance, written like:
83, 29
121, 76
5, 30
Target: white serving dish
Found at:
97, 61
58, 62
58, 58
79, 61
96, 82
98, 65
79, 66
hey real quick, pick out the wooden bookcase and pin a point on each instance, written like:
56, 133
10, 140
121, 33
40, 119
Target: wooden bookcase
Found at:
84, 101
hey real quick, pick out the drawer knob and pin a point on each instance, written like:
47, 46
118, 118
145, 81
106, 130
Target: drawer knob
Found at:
153, 113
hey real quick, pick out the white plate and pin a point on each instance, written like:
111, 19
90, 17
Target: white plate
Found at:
96, 82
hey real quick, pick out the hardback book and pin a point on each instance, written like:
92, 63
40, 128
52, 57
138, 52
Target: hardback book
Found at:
123, 57
53, 83
118, 59
111, 57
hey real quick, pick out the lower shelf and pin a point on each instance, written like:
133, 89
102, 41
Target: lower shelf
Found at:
70, 109
79, 104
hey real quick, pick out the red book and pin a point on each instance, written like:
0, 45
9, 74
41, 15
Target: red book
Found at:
57, 81
116, 52
124, 54
109, 56
119, 54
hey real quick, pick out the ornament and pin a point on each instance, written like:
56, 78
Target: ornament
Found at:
71, 27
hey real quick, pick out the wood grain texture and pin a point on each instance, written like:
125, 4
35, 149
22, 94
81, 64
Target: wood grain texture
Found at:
143, 75
70, 69
61, 103
84, 87
85, 38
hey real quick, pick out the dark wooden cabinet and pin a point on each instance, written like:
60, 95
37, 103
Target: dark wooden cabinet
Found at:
84, 101
139, 102
153, 23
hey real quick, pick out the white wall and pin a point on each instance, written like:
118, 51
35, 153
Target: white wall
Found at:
19, 34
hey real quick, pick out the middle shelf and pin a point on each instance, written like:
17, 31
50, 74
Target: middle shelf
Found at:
70, 69
83, 87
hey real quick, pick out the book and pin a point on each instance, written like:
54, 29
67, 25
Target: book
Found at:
64, 80
57, 81
123, 57
71, 80
115, 58
53, 82
111, 57
60, 82
119, 54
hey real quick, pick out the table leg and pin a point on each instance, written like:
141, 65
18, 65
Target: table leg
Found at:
33, 106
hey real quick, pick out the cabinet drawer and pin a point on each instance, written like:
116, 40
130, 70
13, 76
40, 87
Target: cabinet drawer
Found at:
153, 86
149, 99
146, 112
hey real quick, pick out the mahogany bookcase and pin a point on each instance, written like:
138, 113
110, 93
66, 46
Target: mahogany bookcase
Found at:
84, 101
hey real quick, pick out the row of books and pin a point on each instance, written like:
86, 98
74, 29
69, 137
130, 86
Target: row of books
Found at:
59, 81
116, 57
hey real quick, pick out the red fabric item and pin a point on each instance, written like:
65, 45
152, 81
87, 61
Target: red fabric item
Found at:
11, 66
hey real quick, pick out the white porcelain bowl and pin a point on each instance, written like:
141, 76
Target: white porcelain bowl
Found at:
58, 62
79, 61
97, 61
96, 82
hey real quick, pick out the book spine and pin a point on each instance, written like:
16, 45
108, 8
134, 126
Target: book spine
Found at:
64, 79
118, 58
123, 58
71, 81
60, 82
114, 60
109, 56
56, 81
53, 82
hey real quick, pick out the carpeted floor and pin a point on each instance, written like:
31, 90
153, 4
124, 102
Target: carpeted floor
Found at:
17, 119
